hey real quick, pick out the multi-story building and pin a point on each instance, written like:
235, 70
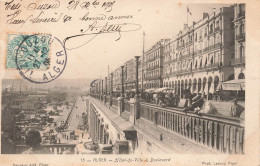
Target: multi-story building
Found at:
129, 70
238, 61
199, 57
154, 65
117, 79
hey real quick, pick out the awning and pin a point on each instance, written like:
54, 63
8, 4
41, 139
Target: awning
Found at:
234, 85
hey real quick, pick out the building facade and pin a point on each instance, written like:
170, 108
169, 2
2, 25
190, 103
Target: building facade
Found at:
154, 65
199, 57
238, 61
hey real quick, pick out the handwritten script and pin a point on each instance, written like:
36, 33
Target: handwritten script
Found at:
97, 18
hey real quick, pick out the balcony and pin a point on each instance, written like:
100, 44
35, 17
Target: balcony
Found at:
241, 14
217, 29
180, 46
205, 49
240, 37
217, 45
185, 56
238, 61
152, 77
211, 47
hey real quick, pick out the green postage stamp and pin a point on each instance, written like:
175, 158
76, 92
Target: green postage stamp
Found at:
28, 51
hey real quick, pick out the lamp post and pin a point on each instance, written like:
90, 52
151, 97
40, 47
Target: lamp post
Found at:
143, 63
105, 85
111, 88
102, 87
122, 90
136, 82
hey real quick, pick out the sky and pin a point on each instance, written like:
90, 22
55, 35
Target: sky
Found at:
158, 19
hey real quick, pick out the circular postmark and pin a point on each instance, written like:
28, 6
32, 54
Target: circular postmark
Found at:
40, 58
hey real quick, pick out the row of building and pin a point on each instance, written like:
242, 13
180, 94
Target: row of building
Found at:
200, 57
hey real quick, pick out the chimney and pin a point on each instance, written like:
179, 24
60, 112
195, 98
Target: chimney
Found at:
205, 15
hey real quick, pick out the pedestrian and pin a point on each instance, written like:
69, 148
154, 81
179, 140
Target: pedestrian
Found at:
188, 97
236, 109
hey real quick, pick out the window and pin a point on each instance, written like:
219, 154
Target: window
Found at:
217, 24
206, 31
211, 28
242, 28
241, 76
242, 50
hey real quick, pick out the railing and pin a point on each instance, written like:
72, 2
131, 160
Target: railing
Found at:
53, 148
185, 56
238, 61
241, 14
217, 45
205, 49
218, 133
216, 29
180, 46
211, 47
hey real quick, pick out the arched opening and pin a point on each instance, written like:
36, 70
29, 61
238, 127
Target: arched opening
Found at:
206, 61
179, 88
182, 88
172, 84
194, 86
209, 88
175, 87
189, 85
231, 77
204, 82
242, 51
216, 83
186, 84
241, 76
199, 85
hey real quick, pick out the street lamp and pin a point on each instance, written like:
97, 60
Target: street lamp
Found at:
111, 89
122, 91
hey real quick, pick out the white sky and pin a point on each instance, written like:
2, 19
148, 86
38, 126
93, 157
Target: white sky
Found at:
159, 19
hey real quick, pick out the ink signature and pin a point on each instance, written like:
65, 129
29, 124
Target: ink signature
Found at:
94, 30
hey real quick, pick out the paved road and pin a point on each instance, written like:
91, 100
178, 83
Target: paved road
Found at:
63, 116
76, 116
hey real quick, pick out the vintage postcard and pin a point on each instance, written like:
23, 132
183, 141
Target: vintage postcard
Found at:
127, 82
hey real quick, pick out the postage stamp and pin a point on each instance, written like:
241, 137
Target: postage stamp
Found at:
39, 58
33, 52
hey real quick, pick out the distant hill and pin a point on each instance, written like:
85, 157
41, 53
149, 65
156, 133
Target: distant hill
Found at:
82, 83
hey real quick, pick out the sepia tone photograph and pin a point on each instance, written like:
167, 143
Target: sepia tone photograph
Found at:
119, 78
